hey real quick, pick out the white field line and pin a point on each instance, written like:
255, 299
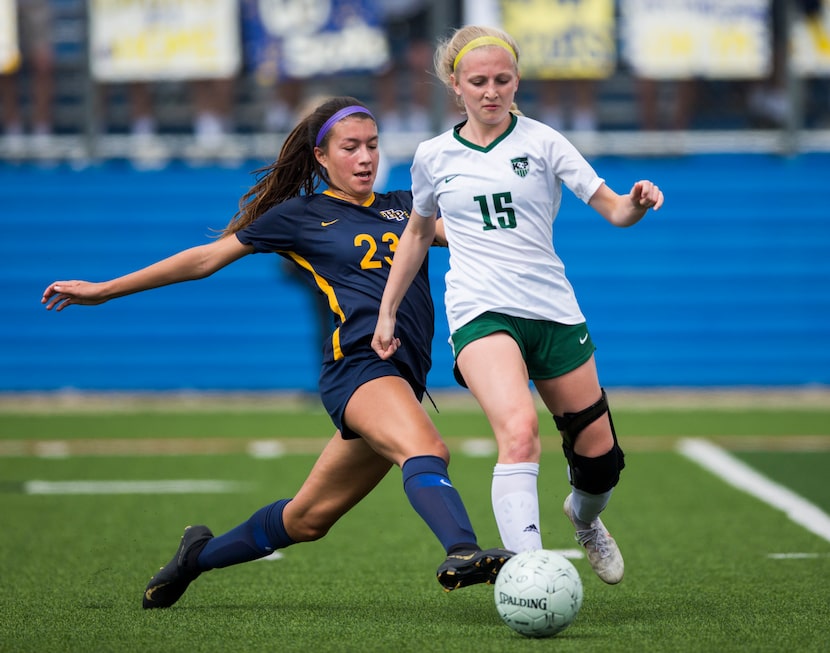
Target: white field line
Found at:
132, 487
742, 476
119, 447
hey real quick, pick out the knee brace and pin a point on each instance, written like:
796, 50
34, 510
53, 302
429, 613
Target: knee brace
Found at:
592, 475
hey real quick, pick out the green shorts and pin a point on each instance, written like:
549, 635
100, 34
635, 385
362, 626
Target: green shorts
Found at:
549, 349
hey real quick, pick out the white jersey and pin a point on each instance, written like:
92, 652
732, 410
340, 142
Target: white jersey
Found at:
499, 203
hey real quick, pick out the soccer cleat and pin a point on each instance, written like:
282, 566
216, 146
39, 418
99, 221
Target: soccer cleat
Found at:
168, 585
471, 567
601, 549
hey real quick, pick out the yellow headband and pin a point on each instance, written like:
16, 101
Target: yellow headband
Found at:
482, 41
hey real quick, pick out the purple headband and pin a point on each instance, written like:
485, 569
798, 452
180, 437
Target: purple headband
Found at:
337, 117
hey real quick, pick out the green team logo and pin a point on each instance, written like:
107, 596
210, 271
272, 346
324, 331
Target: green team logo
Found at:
520, 166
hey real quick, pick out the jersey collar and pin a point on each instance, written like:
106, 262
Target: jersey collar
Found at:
455, 132
368, 202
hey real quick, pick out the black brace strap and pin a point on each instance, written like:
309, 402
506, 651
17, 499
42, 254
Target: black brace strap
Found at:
570, 425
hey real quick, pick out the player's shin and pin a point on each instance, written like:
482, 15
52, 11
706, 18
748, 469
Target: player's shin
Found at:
262, 534
516, 505
432, 495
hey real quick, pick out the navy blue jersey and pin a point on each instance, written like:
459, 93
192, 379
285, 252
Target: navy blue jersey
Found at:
345, 251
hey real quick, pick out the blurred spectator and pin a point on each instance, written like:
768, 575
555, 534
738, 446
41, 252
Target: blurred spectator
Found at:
675, 113
159, 63
406, 80
263, 27
284, 110
213, 104
142, 115
37, 55
771, 100
140, 106
569, 104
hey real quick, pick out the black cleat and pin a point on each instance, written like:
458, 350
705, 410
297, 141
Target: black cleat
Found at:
168, 585
464, 568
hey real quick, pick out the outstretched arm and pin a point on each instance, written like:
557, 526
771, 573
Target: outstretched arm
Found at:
626, 210
189, 264
416, 239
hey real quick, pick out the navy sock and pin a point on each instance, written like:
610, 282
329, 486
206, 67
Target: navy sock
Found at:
261, 535
429, 490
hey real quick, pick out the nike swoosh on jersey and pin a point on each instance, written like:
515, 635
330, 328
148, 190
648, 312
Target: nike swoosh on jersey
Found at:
328, 223
450, 178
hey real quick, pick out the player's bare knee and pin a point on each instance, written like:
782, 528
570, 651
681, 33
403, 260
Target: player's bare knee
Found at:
308, 530
309, 525
520, 449
438, 448
519, 440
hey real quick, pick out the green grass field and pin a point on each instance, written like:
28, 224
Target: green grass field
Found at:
709, 567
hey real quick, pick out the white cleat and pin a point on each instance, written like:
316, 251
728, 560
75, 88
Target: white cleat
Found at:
601, 549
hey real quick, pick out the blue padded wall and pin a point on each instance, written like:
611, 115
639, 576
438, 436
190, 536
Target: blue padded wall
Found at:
728, 285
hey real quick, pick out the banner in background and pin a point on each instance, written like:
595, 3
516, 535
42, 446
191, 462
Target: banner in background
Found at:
714, 39
562, 39
810, 42
9, 51
299, 39
132, 40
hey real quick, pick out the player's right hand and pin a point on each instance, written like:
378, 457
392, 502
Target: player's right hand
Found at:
384, 341
60, 294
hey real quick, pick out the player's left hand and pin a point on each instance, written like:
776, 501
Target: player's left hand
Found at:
646, 195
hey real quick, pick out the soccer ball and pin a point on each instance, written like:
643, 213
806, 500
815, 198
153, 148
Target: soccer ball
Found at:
538, 593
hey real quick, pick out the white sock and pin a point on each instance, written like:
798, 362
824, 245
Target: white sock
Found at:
586, 507
516, 505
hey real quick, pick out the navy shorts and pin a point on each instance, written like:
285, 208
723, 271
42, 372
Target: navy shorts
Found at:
339, 379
